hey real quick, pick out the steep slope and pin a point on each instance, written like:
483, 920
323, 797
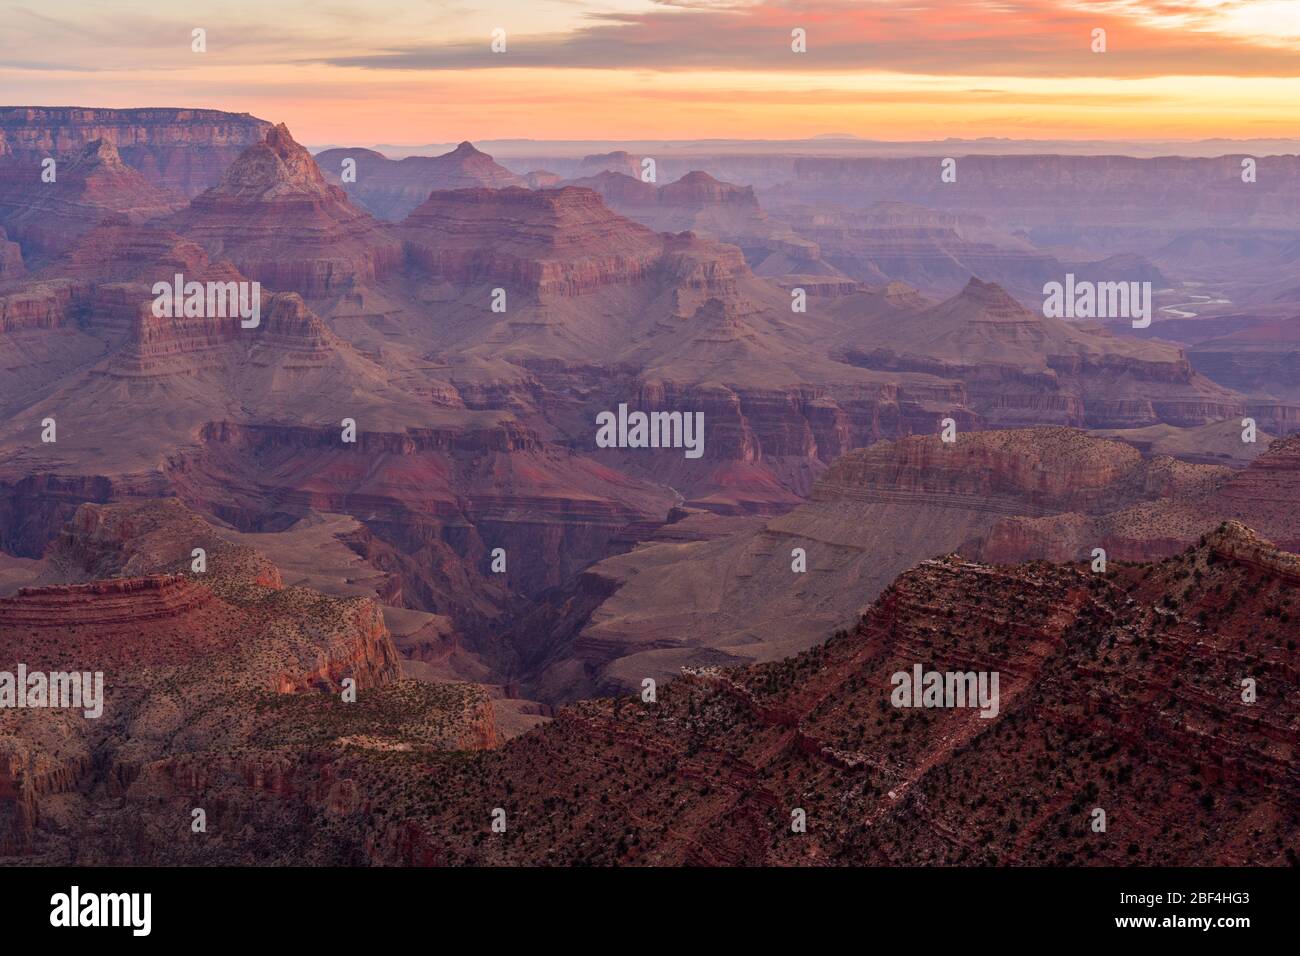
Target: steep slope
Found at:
1121, 692
716, 210
1261, 496
94, 185
274, 216
223, 672
604, 311
735, 596
182, 150
1263, 362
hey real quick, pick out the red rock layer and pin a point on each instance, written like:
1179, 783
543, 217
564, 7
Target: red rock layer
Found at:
178, 149
1121, 692
279, 222
93, 186
562, 242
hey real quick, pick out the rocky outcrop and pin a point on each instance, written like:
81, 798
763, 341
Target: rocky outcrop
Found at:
561, 242
200, 668
92, 186
274, 216
391, 189
178, 149
1120, 691
103, 603
872, 514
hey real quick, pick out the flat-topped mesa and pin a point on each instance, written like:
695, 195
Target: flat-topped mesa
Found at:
618, 161
1016, 471
93, 186
184, 150
698, 189
391, 189
560, 241
276, 218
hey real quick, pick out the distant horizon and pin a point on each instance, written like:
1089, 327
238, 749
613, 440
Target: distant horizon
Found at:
577, 70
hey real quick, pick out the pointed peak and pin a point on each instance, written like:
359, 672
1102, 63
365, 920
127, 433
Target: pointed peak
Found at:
277, 165
99, 152
466, 149
992, 298
281, 141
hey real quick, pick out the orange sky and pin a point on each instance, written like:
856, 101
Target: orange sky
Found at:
338, 72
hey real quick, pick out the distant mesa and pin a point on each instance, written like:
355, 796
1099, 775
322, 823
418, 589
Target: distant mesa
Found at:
92, 186
391, 189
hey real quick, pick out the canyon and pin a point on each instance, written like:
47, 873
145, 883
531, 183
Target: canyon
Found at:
396, 478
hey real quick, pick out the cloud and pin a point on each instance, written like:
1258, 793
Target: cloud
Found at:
954, 37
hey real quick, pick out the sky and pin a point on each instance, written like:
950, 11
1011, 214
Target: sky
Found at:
423, 71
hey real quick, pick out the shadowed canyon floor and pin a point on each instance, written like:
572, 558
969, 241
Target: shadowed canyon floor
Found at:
393, 470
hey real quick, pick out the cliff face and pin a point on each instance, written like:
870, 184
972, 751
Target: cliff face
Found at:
1120, 691
274, 216
93, 185
872, 514
712, 209
427, 491
182, 150
1183, 498
1027, 191
206, 673
1262, 361
548, 241
1108, 699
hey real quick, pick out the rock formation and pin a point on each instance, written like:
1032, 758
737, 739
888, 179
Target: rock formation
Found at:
210, 676
1121, 691
181, 150
92, 186
1020, 367
274, 216
391, 189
